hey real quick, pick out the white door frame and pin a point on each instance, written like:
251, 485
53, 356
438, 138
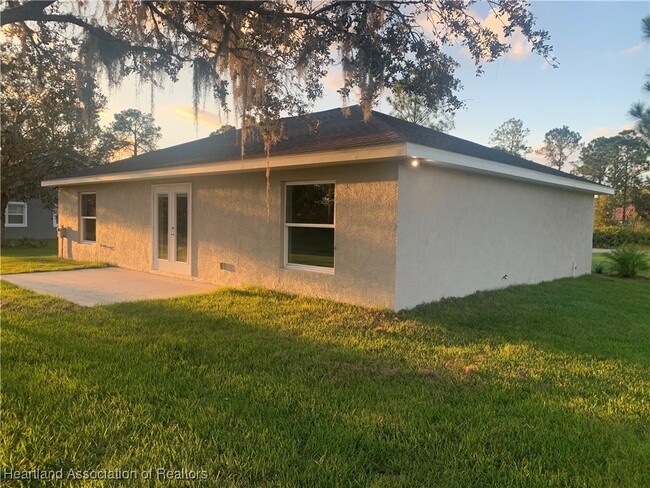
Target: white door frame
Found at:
170, 264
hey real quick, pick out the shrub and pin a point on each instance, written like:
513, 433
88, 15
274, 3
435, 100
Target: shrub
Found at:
598, 268
612, 236
28, 243
628, 261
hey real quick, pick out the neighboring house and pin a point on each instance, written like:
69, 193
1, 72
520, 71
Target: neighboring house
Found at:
29, 220
630, 213
383, 213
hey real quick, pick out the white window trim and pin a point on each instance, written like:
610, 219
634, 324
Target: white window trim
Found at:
55, 216
82, 218
24, 223
286, 225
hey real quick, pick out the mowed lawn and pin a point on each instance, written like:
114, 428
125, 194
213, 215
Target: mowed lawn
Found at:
26, 260
545, 385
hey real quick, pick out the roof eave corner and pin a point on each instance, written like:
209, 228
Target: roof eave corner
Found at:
477, 165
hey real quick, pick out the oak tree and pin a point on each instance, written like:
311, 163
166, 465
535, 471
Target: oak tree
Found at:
49, 119
270, 57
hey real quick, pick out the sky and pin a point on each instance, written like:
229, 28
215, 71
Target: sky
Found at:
602, 60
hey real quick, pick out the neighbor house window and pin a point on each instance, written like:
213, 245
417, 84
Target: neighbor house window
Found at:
309, 226
16, 214
55, 216
88, 217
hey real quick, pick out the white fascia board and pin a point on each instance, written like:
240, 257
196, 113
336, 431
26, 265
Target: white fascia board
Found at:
358, 155
470, 163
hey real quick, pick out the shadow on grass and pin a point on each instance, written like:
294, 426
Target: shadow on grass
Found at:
265, 388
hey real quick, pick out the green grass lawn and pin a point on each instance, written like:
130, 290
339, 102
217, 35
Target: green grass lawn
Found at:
29, 260
545, 385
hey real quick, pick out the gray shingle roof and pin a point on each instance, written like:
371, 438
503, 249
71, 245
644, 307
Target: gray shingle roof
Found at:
335, 131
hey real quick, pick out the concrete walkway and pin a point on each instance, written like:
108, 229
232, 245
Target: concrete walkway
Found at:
89, 287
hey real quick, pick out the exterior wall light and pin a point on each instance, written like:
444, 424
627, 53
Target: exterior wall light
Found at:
415, 162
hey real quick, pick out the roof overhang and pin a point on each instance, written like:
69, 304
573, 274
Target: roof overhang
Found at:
428, 155
323, 158
439, 157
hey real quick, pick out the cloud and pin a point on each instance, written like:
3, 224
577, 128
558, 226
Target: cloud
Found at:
204, 117
334, 79
631, 51
536, 147
464, 52
106, 116
520, 46
538, 158
428, 20
605, 132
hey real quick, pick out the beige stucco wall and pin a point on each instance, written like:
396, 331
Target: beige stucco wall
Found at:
460, 232
230, 225
456, 232
123, 224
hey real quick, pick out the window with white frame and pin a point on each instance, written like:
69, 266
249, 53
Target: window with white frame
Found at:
55, 216
309, 226
16, 214
88, 213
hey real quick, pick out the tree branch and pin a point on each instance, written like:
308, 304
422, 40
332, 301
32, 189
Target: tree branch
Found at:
22, 14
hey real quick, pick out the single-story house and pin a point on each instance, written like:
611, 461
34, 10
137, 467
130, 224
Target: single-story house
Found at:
29, 220
383, 213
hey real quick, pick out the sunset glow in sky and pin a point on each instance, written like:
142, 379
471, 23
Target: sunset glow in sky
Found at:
603, 64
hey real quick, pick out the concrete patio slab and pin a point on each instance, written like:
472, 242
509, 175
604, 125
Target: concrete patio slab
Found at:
89, 287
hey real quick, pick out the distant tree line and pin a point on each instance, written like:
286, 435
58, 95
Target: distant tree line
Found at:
619, 161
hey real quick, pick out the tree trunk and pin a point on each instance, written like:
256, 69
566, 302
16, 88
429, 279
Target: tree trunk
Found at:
625, 193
